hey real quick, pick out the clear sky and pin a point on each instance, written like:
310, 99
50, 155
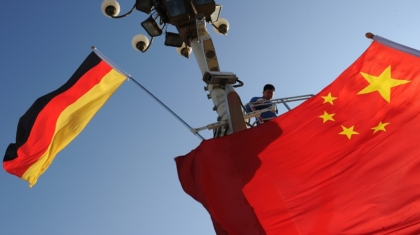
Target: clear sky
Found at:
119, 176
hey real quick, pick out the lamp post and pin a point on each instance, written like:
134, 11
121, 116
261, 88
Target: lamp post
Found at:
190, 18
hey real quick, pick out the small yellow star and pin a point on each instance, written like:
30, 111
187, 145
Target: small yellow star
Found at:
379, 127
348, 131
382, 84
329, 99
327, 117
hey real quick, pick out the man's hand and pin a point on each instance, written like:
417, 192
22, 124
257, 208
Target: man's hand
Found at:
273, 108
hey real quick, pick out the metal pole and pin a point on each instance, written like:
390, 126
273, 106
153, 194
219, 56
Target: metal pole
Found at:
225, 99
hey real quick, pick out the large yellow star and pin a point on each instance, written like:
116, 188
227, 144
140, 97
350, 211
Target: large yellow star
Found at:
382, 84
379, 127
327, 117
329, 98
348, 131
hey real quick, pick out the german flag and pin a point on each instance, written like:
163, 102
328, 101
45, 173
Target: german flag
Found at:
55, 119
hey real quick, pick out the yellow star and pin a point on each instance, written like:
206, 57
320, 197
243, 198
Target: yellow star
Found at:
329, 99
379, 127
382, 84
348, 131
327, 117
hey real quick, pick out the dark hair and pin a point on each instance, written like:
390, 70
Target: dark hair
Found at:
269, 87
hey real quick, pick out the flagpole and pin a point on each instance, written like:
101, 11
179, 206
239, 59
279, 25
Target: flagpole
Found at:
392, 44
166, 107
129, 77
114, 66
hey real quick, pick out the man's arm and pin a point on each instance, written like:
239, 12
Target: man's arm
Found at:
253, 100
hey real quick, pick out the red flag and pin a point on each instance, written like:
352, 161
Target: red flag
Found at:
345, 161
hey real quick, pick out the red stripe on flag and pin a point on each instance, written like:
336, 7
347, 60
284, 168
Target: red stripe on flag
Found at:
44, 127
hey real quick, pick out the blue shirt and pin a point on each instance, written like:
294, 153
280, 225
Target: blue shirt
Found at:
266, 115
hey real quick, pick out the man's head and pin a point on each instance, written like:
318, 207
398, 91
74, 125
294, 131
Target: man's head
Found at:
268, 91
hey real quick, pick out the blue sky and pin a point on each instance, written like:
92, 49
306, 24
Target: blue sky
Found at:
118, 176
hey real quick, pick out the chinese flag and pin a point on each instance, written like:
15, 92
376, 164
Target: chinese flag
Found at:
346, 161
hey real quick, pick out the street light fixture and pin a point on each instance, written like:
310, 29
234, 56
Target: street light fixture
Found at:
189, 17
221, 26
151, 27
175, 8
110, 8
141, 43
179, 13
144, 6
184, 50
214, 17
173, 40
205, 7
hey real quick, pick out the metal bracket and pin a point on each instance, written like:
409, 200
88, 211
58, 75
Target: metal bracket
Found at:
210, 126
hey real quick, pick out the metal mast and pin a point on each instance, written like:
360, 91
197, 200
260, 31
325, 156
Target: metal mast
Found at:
190, 18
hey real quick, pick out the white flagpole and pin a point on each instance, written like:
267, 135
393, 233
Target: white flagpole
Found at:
108, 61
394, 45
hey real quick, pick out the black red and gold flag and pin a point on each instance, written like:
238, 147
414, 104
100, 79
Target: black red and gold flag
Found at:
346, 161
55, 119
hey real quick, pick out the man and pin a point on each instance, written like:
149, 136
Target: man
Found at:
258, 103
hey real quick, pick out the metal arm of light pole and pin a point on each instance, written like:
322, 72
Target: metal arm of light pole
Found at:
225, 99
